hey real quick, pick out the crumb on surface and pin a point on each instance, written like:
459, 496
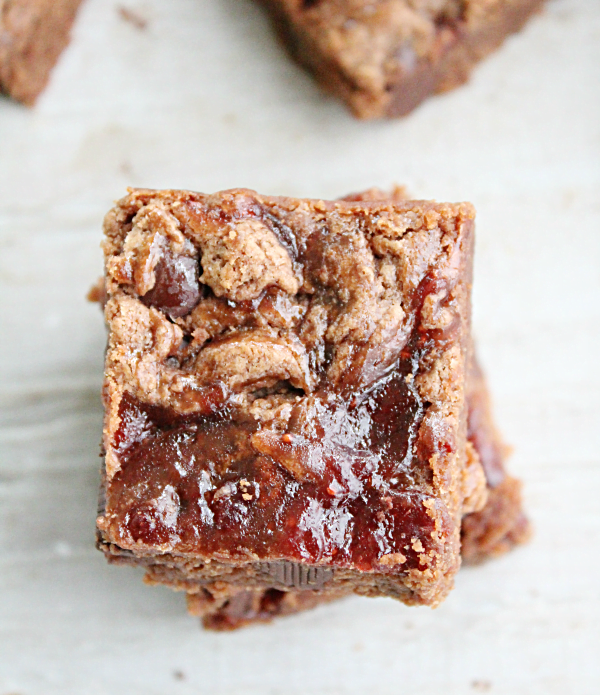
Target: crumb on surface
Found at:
133, 17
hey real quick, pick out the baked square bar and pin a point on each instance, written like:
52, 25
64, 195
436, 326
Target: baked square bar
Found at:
384, 57
285, 392
497, 528
33, 33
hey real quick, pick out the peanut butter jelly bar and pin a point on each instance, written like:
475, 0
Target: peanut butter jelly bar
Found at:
384, 57
285, 392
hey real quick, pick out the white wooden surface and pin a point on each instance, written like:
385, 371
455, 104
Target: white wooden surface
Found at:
204, 98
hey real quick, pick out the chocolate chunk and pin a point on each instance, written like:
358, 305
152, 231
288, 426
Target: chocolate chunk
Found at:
176, 290
296, 576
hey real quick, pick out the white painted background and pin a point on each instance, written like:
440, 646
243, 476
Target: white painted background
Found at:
204, 98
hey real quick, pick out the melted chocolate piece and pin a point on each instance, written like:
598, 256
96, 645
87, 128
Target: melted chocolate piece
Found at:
296, 576
176, 290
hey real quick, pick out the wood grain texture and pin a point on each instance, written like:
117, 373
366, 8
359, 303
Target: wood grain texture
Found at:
204, 98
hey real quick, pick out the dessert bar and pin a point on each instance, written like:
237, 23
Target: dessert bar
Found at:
33, 34
284, 394
384, 57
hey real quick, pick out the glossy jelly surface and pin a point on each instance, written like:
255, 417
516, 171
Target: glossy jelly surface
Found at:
339, 486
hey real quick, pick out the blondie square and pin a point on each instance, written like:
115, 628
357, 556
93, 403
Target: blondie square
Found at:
285, 393
384, 57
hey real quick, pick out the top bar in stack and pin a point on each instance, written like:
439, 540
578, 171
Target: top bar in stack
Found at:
285, 392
